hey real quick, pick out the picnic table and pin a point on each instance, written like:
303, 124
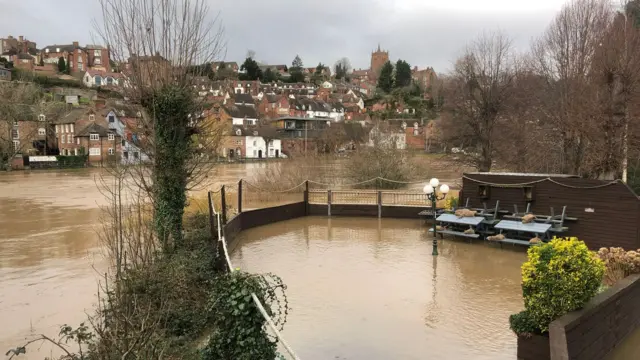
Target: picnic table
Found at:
472, 222
533, 228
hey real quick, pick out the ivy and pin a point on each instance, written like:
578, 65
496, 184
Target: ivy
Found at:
170, 108
239, 328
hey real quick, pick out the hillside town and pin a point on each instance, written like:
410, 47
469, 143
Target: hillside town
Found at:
272, 111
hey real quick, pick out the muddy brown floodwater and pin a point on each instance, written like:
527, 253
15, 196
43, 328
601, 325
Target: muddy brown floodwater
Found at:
364, 288
50, 257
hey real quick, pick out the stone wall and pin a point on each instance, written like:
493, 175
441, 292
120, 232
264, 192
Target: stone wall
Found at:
593, 332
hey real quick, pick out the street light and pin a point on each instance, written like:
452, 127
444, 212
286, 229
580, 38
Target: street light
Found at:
430, 191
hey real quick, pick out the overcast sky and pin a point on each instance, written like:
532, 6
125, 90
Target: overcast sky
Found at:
422, 32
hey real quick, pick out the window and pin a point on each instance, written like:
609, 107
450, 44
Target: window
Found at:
16, 145
79, 57
123, 142
97, 61
70, 64
71, 127
57, 129
96, 53
87, 78
75, 151
15, 122
15, 134
238, 142
41, 132
57, 50
109, 80
41, 117
66, 128
111, 137
94, 151
110, 151
125, 154
80, 66
62, 138
94, 137
69, 139
46, 50
92, 117
136, 155
78, 141
255, 143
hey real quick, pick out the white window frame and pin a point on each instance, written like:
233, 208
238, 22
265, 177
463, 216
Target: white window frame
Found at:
111, 137
94, 137
15, 134
66, 128
62, 138
71, 127
69, 138
92, 117
78, 141
110, 151
94, 151
16, 145
42, 132
41, 117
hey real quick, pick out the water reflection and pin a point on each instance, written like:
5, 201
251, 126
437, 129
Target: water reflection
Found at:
367, 288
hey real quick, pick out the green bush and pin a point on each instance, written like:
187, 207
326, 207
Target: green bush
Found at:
559, 277
522, 324
72, 161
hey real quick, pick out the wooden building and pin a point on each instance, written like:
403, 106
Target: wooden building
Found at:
607, 212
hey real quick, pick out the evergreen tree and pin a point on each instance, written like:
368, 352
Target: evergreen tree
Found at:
296, 70
385, 80
269, 76
342, 67
252, 70
62, 66
403, 74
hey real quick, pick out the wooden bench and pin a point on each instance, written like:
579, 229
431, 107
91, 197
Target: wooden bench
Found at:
516, 242
456, 233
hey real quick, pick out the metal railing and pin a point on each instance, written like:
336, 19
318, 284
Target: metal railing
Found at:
368, 197
256, 301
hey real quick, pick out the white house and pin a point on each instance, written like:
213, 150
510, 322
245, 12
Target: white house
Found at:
257, 143
242, 114
327, 85
95, 78
125, 123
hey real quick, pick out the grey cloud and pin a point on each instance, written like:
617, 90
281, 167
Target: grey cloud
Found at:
324, 31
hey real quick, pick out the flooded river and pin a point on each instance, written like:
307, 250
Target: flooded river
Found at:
50, 257
363, 288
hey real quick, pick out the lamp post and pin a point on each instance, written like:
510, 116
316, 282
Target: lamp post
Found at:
430, 190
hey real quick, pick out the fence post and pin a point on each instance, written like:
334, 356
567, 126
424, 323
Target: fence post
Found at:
240, 196
379, 204
223, 204
212, 225
329, 202
306, 197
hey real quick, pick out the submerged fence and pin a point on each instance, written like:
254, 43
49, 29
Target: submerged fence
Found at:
246, 195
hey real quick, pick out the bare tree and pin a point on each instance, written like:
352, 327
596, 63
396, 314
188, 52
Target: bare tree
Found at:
161, 42
478, 93
564, 58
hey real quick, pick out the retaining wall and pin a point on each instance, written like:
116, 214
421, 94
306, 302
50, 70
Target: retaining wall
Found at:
593, 332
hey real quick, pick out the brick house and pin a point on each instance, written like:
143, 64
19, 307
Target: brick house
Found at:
21, 45
150, 69
24, 61
102, 144
273, 106
77, 58
227, 65
29, 136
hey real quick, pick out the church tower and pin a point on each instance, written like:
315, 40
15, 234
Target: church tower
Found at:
378, 59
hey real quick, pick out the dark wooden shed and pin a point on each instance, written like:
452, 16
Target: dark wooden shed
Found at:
608, 212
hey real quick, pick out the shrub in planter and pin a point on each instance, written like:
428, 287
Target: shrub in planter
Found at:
619, 263
559, 277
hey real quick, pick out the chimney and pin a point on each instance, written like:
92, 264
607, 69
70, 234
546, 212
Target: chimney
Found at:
75, 44
20, 38
415, 68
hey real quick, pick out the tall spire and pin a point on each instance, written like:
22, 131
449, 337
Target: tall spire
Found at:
378, 47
